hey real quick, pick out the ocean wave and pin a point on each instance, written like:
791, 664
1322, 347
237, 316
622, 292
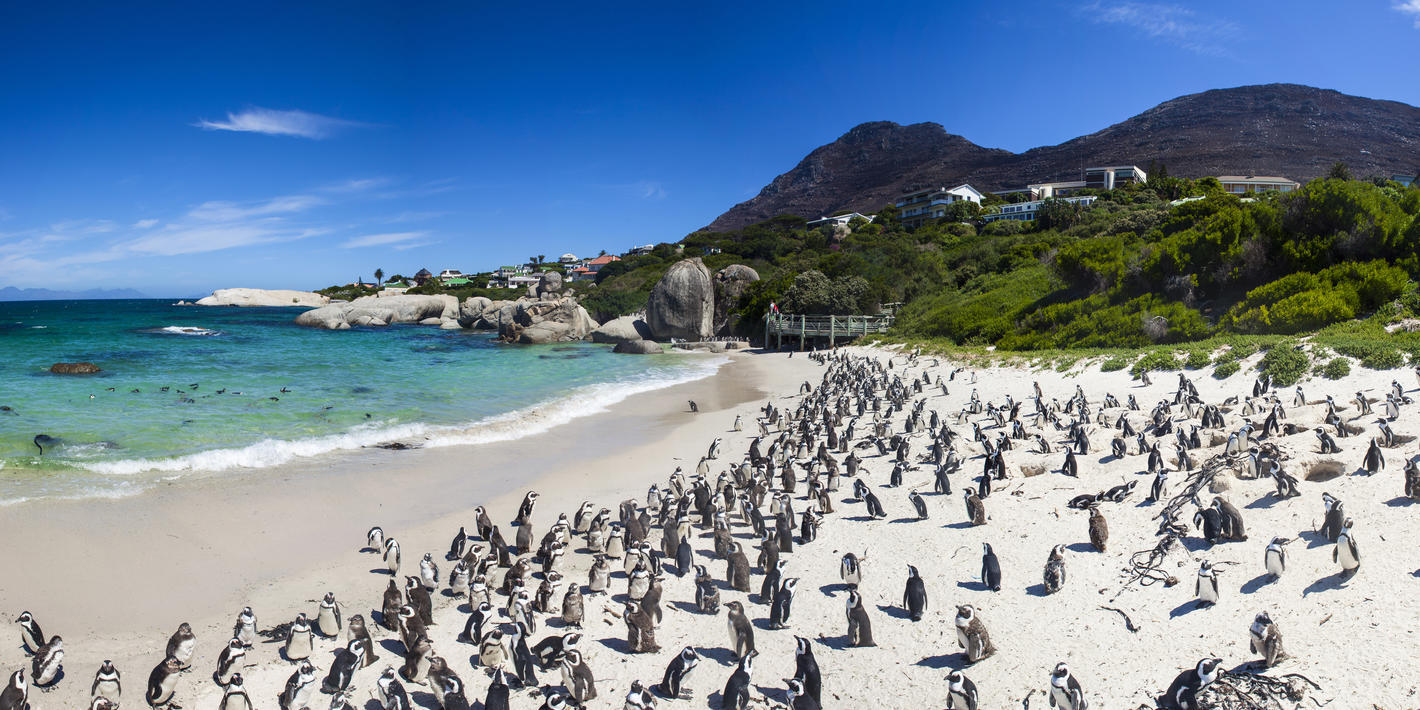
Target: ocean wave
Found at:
516, 424
183, 330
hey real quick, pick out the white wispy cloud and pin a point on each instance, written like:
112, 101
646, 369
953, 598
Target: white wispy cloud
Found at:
177, 240
375, 240
414, 217
273, 122
1176, 24
1412, 8
145, 223
222, 211
356, 185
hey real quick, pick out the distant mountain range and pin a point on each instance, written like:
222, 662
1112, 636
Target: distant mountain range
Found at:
1283, 130
10, 293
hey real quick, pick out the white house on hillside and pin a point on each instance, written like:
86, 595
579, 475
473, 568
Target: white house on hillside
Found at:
1243, 184
921, 205
838, 219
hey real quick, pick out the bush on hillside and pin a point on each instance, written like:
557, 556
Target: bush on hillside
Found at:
1336, 369
1285, 363
1226, 369
1155, 361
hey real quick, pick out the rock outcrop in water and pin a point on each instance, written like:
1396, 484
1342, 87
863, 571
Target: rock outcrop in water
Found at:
263, 297
382, 311
639, 347
74, 368
541, 322
682, 304
621, 330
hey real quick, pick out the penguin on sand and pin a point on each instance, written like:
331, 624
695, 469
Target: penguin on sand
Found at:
1206, 586
673, 682
161, 682
1266, 640
961, 692
1184, 689
972, 635
108, 682
990, 569
914, 597
806, 668
737, 688
1065, 691
1346, 553
1055, 570
860, 627
1275, 559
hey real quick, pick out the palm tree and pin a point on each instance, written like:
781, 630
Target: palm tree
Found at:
379, 275
541, 258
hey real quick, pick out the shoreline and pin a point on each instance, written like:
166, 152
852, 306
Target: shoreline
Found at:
116, 576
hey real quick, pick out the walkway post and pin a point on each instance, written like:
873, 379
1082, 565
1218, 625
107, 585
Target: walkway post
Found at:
832, 332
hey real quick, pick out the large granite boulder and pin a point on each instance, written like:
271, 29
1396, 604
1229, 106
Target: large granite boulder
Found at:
682, 304
731, 283
263, 297
74, 368
550, 285
540, 322
639, 347
471, 310
620, 330
381, 311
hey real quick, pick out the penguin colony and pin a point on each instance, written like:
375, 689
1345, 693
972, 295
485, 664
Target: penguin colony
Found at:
524, 613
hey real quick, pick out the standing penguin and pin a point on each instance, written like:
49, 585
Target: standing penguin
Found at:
47, 663
740, 628
577, 677
990, 569
16, 694
245, 628
1275, 559
161, 682
914, 597
1374, 460
1346, 552
1065, 692
918, 503
1206, 586
233, 656
31, 636
1156, 491
358, 632
328, 617
961, 692
737, 688
972, 635
975, 508
1099, 529
572, 606
1055, 570
799, 699
392, 556
298, 639
107, 683
182, 644
783, 603
1266, 640
860, 627
299, 688
850, 569
342, 669
1335, 515
680, 667
234, 696
806, 668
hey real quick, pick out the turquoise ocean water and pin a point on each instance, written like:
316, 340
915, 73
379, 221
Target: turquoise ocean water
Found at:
187, 389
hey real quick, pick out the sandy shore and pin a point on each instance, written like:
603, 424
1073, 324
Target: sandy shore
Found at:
116, 577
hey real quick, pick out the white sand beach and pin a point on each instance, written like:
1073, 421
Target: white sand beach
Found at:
115, 578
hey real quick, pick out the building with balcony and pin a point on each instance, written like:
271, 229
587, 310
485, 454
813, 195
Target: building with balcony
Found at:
1109, 178
1243, 184
836, 220
1026, 211
920, 206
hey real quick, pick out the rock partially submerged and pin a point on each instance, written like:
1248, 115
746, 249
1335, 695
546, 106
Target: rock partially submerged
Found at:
74, 368
623, 329
263, 297
381, 311
540, 322
639, 347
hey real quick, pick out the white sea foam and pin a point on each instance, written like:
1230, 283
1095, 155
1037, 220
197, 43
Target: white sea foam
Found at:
516, 424
185, 330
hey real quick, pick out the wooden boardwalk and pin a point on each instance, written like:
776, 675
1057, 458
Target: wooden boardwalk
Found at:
831, 328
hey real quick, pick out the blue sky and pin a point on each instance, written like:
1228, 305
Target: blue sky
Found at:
177, 148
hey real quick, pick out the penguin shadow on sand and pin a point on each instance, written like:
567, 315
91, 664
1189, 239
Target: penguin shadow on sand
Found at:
894, 611
1081, 547
956, 660
420, 698
616, 643
1189, 607
836, 588
1258, 582
1037, 590
1400, 502
1195, 544
722, 656
904, 520
394, 646
959, 525
976, 585
1266, 501
1314, 538
1328, 583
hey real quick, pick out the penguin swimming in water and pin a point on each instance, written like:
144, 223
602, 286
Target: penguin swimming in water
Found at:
43, 440
1065, 691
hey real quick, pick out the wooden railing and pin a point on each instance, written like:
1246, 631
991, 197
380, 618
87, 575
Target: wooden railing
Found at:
832, 327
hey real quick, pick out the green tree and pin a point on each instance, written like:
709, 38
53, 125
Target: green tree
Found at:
1339, 171
379, 276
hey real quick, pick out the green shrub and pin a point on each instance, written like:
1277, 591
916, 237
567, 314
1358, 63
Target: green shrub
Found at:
1226, 369
1115, 363
1285, 364
1157, 360
1197, 360
1336, 369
